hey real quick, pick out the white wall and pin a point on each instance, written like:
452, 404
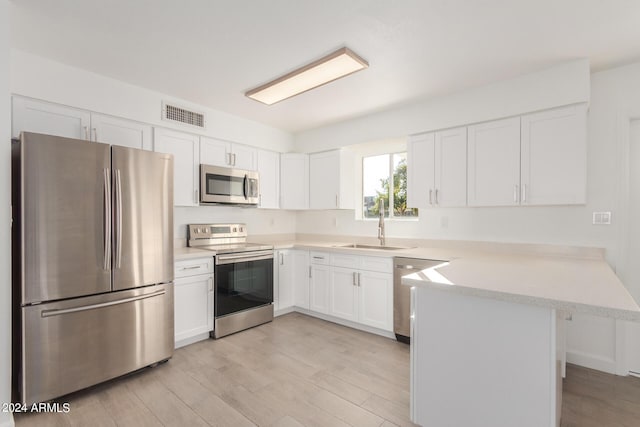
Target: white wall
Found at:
563, 84
42, 78
614, 95
5, 216
52, 81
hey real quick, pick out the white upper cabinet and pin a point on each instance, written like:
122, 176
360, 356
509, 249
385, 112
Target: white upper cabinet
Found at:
451, 167
217, 152
185, 150
116, 131
331, 180
420, 170
294, 181
269, 172
437, 169
494, 163
554, 156
31, 115
53, 119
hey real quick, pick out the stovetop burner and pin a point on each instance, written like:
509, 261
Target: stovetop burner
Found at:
222, 238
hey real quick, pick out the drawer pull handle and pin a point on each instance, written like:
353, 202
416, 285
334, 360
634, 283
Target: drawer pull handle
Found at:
190, 268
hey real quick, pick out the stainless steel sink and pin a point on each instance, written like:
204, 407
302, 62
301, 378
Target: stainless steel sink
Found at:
359, 246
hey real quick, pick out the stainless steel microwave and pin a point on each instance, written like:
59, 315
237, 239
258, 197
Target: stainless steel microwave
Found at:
228, 186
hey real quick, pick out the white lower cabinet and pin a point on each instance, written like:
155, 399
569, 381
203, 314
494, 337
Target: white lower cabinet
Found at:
343, 293
319, 288
193, 300
300, 277
375, 299
283, 280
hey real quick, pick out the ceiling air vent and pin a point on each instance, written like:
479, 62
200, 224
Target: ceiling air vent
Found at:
181, 115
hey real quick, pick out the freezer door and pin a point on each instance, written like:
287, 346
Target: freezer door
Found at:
64, 217
70, 345
142, 217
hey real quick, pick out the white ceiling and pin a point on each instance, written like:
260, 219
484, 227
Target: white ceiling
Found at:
211, 51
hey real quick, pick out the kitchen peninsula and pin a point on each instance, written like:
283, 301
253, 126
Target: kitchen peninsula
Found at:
487, 335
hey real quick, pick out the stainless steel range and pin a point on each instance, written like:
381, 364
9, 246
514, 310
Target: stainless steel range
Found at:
243, 276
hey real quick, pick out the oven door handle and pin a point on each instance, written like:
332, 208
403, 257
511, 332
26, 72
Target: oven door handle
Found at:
244, 257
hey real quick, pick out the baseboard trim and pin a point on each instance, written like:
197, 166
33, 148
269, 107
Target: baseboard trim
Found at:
346, 323
592, 361
283, 311
190, 340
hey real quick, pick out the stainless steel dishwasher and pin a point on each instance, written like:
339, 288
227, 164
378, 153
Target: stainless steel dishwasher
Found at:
402, 294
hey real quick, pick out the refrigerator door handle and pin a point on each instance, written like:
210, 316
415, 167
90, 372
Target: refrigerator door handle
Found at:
107, 220
118, 248
59, 312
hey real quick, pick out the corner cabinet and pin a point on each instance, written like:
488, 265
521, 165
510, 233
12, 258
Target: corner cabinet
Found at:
269, 172
437, 169
193, 300
331, 180
294, 181
185, 150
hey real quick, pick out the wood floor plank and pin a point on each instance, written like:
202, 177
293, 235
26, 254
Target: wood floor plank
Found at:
301, 371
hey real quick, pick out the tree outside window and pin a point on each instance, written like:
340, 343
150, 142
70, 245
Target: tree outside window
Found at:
385, 177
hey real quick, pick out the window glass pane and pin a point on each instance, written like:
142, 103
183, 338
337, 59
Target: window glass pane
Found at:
375, 185
400, 187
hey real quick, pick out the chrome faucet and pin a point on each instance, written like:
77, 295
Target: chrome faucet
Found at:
381, 222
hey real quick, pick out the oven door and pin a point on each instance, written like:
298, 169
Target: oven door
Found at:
243, 281
226, 185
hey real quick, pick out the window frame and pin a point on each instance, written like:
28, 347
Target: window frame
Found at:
391, 216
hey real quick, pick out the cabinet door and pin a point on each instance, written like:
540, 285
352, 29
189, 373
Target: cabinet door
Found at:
269, 171
494, 163
294, 181
215, 152
319, 288
193, 313
343, 293
116, 131
324, 180
420, 171
451, 167
554, 156
376, 299
30, 115
301, 273
243, 157
285, 261
184, 148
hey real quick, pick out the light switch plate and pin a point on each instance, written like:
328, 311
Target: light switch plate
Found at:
601, 218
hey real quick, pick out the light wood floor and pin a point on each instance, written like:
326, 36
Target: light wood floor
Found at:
301, 371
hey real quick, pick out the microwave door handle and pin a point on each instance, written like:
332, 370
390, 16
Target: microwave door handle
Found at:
245, 187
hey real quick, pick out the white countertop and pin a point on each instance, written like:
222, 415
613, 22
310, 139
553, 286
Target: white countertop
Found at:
572, 284
569, 284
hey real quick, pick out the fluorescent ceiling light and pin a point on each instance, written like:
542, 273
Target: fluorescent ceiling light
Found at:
332, 67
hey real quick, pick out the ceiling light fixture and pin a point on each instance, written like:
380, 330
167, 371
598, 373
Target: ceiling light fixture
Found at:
338, 64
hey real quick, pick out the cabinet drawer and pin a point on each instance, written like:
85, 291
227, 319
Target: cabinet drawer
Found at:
345, 260
320, 258
374, 263
194, 267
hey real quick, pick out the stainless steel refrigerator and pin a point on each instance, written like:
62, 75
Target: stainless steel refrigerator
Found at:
92, 239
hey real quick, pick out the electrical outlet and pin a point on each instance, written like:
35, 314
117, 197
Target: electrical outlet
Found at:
601, 218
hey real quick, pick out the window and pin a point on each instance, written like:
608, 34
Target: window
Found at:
384, 177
